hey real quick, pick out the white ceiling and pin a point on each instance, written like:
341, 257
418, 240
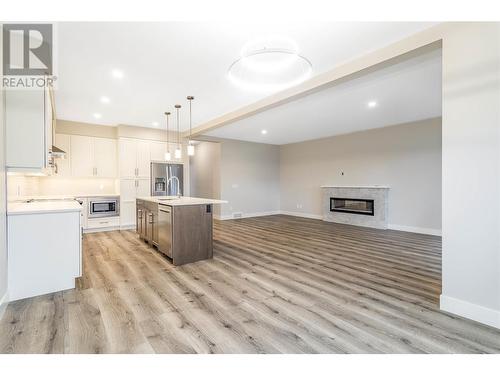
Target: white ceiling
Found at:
404, 92
164, 62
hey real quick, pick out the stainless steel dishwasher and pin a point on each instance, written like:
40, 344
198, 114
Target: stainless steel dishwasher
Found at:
165, 230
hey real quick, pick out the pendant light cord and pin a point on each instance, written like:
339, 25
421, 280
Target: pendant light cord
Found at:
177, 106
168, 145
190, 98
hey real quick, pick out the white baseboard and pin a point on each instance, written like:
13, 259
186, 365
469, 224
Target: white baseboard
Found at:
246, 215
3, 304
404, 228
302, 214
471, 311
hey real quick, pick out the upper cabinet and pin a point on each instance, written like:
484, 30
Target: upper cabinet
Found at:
105, 155
93, 157
28, 115
135, 158
82, 160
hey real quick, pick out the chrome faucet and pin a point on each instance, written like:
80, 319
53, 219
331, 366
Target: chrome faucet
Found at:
178, 185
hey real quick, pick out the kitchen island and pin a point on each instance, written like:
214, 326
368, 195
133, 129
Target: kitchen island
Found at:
180, 228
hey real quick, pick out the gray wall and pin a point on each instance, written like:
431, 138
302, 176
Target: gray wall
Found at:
249, 177
204, 169
406, 157
246, 174
3, 229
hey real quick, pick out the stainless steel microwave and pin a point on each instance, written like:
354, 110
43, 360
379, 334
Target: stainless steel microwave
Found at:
104, 207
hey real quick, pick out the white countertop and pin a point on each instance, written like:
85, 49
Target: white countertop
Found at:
49, 206
182, 201
357, 186
55, 197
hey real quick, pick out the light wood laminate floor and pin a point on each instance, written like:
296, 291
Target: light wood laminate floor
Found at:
277, 284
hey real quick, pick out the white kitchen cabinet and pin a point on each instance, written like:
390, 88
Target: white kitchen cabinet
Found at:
158, 150
28, 118
135, 158
93, 157
130, 189
82, 163
143, 159
63, 141
106, 223
105, 157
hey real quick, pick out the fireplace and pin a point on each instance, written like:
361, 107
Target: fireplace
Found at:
352, 206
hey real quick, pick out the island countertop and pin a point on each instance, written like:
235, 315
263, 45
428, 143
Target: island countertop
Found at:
182, 201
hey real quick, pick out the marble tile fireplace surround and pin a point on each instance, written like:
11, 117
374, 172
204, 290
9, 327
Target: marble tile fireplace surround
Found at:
366, 206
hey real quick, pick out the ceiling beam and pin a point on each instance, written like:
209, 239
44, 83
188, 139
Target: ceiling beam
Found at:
393, 53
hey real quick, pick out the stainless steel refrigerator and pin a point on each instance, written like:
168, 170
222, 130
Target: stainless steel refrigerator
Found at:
167, 179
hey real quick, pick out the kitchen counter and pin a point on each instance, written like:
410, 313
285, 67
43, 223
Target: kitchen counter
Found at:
60, 197
182, 201
49, 206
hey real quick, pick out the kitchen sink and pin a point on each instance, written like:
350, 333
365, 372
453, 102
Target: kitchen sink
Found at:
168, 198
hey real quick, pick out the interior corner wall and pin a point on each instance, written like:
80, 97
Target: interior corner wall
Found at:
204, 169
471, 171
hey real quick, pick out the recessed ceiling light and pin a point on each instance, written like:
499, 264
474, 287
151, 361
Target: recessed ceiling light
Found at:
104, 99
97, 115
116, 73
155, 123
372, 104
263, 131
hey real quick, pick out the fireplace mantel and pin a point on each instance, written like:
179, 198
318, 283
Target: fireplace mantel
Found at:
374, 214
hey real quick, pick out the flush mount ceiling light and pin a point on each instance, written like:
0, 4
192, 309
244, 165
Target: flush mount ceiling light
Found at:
269, 64
104, 99
372, 104
117, 73
97, 115
263, 131
155, 123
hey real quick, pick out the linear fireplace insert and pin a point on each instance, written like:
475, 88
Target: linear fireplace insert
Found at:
352, 206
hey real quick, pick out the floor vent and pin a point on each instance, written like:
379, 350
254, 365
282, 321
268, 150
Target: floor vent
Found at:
237, 215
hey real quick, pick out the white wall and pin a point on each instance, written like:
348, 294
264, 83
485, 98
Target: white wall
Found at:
471, 171
406, 157
3, 225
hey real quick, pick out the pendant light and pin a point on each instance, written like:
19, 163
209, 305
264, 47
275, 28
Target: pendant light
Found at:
178, 152
190, 147
168, 157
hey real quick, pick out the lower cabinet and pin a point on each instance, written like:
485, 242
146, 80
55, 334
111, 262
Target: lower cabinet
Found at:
104, 222
147, 221
40, 259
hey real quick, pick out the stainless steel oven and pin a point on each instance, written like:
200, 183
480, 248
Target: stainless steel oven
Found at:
104, 207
